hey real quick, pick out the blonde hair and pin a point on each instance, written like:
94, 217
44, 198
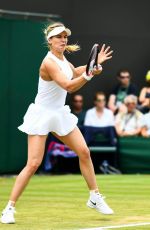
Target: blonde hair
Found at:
69, 48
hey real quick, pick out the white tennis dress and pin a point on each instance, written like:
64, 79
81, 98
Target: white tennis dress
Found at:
49, 112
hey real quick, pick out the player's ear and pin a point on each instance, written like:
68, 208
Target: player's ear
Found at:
50, 41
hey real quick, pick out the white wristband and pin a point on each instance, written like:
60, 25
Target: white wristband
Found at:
86, 77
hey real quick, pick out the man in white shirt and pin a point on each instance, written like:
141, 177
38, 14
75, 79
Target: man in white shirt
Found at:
99, 116
129, 123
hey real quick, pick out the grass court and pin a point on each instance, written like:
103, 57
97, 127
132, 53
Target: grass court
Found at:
58, 202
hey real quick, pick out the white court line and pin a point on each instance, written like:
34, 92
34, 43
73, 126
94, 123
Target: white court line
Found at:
118, 226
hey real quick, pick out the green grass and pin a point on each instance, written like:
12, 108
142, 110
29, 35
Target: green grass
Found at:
58, 202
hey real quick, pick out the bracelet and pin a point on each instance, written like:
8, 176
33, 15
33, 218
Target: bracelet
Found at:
86, 77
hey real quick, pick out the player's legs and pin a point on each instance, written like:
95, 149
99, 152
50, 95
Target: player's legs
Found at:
36, 146
76, 142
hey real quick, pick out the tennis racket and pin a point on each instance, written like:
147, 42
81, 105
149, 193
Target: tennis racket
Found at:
92, 62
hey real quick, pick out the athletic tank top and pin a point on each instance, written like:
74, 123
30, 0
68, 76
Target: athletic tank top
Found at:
50, 94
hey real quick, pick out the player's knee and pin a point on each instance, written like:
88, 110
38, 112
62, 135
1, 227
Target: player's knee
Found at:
33, 166
85, 153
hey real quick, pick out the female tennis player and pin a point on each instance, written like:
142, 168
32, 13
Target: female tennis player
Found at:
50, 114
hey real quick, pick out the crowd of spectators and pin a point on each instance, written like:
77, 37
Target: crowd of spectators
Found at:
125, 114
126, 110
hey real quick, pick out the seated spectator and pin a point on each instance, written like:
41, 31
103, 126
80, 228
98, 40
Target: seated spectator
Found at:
124, 88
145, 132
144, 97
99, 115
129, 123
77, 108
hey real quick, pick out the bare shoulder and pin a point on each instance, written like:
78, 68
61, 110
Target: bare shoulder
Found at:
47, 67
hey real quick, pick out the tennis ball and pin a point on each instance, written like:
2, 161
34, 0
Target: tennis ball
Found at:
148, 76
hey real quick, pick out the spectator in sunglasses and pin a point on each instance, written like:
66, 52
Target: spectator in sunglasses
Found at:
124, 88
99, 115
129, 123
77, 108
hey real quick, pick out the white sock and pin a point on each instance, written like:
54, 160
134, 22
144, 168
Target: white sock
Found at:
10, 204
94, 193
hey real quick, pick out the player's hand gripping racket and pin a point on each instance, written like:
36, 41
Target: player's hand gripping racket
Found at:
93, 58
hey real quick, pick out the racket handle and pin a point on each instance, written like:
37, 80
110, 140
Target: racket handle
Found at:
86, 77
98, 67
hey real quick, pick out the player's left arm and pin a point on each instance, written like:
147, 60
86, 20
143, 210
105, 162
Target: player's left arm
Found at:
104, 55
78, 71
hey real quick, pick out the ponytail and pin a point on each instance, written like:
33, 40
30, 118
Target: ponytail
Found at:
72, 48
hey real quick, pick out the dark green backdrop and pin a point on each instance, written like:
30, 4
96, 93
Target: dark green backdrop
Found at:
21, 51
22, 48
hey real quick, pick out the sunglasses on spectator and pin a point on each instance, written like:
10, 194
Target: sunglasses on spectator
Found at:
124, 77
131, 103
100, 100
78, 101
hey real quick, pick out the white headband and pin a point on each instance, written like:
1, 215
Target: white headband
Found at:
58, 30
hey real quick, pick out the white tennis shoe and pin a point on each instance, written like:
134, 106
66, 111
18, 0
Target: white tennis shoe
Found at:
97, 201
7, 216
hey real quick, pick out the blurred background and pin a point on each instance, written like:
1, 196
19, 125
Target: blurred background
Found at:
124, 25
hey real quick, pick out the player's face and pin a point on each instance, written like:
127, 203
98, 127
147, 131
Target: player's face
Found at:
59, 42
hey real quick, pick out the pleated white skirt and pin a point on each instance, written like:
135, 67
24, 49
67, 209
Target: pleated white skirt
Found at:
39, 120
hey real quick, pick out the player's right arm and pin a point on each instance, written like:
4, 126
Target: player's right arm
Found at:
53, 71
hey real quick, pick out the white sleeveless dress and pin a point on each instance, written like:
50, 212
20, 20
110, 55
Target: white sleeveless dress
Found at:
49, 112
